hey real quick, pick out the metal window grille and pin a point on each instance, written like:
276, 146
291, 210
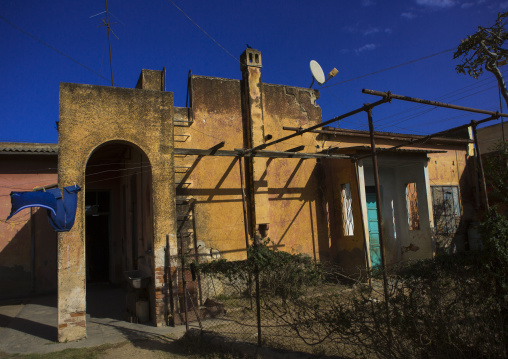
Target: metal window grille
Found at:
446, 207
347, 210
412, 206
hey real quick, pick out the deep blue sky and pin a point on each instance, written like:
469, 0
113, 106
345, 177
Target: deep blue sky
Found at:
356, 37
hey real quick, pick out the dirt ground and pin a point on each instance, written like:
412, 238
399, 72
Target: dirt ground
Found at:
157, 348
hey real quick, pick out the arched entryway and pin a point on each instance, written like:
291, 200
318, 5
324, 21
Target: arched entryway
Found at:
118, 227
115, 128
118, 212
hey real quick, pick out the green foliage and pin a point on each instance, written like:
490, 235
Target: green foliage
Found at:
280, 273
494, 231
483, 48
496, 173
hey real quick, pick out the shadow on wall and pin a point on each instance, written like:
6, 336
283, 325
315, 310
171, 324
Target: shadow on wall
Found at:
452, 231
16, 259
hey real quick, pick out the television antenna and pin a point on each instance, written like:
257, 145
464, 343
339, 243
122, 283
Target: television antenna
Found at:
318, 75
107, 24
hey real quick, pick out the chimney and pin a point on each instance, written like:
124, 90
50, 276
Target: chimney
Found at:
252, 103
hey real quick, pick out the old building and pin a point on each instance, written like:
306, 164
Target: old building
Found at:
159, 180
27, 242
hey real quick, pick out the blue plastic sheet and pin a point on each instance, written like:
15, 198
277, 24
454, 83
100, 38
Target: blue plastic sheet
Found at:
61, 208
22, 200
63, 219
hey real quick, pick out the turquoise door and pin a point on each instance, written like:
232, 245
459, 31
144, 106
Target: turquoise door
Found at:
375, 248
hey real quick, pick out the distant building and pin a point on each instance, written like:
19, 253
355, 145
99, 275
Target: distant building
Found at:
27, 242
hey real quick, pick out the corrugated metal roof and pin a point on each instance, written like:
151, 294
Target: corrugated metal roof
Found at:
28, 148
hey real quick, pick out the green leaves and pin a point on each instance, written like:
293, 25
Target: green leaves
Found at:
280, 273
482, 49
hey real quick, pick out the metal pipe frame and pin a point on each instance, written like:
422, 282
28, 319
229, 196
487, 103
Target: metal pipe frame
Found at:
392, 96
302, 131
426, 138
379, 220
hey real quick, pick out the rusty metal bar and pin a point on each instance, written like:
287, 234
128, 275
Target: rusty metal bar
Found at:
184, 286
258, 301
480, 164
303, 130
239, 152
245, 223
169, 279
383, 136
32, 248
245, 219
379, 220
391, 96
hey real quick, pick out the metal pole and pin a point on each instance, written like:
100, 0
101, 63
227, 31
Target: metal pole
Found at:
109, 40
32, 249
432, 103
245, 223
169, 292
302, 131
245, 219
258, 301
480, 165
184, 285
379, 220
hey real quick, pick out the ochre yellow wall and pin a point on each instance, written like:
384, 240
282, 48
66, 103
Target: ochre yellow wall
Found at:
214, 182
89, 117
346, 251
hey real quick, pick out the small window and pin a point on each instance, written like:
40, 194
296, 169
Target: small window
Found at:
412, 206
347, 210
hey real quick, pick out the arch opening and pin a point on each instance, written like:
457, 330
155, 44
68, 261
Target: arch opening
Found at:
118, 224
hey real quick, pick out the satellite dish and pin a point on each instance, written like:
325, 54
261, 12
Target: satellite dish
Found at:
317, 73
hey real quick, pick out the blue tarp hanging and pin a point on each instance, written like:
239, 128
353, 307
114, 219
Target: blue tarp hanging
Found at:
63, 219
61, 209
22, 200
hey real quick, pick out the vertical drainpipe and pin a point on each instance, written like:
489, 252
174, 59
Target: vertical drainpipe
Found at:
251, 65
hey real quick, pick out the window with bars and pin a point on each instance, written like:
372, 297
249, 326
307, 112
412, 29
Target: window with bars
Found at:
412, 206
347, 210
446, 208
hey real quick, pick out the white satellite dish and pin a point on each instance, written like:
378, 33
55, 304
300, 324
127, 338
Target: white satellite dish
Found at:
317, 73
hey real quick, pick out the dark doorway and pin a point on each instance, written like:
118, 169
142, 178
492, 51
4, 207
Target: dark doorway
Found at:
97, 227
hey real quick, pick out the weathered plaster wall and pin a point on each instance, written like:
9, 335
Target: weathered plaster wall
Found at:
348, 252
491, 136
214, 182
453, 167
89, 117
293, 183
23, 173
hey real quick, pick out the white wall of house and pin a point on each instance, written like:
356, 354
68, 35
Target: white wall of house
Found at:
395, 173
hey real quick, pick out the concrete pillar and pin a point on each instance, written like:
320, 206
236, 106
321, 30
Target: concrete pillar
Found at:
255, 135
